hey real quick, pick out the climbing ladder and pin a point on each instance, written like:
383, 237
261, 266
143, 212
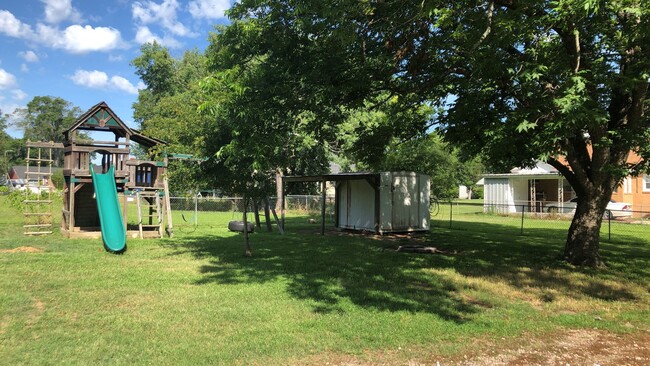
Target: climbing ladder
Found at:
151, 202
37, 205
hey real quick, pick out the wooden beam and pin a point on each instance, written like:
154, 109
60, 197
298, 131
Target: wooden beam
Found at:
52, 144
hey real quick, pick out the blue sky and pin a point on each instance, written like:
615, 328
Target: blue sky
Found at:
80, 50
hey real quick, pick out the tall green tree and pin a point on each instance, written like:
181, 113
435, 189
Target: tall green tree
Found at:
9, 147
45, 118
167, 108
277, 96
432, 156
564, 81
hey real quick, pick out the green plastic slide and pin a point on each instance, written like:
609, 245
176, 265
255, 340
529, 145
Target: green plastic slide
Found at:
110, 215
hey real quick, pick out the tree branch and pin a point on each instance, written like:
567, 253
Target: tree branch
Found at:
488, 28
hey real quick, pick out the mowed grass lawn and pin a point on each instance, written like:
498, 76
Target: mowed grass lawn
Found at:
303, 298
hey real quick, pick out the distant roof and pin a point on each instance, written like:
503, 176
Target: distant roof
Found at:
335, 177
21, 169
540, 169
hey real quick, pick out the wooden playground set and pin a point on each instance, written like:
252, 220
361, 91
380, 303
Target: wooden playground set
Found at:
91, 206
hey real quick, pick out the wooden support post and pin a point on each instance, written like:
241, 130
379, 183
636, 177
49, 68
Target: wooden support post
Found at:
247, 247
125, 210
283, 200
267, 214
275, 216
170, 228
72, 210
322, 209
139, 204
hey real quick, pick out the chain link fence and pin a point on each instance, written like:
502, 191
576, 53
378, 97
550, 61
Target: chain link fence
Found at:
455, 215
206, 211
524, 220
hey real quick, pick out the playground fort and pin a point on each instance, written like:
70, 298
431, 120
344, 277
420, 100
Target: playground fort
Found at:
92, 192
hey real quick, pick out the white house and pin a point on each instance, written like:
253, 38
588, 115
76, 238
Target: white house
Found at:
527, 189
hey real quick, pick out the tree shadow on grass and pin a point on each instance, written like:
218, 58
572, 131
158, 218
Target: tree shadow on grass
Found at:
335, 270
534, 261
332, 272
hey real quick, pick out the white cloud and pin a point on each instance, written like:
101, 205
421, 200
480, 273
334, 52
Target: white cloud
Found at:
7, 80
122, 84
210, 9
18, 94
91, 79
147, 12
144, 35
29, 56
99, 80
81, 39
13, 27
74, 39
59, 10
24, 68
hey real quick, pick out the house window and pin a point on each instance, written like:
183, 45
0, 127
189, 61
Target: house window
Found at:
627, 185
646, 183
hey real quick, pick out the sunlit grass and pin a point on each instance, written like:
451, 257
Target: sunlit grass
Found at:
301, 298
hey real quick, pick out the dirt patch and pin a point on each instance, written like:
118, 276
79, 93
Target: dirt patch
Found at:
36, 313
571, 347
26, 249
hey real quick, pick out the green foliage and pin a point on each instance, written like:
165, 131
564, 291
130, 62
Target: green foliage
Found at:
10, 148
58, 180
156, 68
514, 81
45, 118
428, 154
16, 197
167, 109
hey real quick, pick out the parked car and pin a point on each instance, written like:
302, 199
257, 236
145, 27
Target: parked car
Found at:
613, 209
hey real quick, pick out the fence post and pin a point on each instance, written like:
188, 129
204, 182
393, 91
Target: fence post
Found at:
609, 226
196, 210
451, 213
523, 207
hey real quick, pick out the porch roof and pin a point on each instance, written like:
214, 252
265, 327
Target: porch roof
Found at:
525, 176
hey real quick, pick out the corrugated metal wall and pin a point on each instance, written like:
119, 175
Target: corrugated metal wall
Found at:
498, 193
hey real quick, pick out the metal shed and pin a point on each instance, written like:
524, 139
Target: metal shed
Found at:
383, 202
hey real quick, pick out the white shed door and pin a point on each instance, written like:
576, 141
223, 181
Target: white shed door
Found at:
405, 202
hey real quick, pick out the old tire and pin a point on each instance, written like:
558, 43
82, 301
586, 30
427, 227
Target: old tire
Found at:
238, 226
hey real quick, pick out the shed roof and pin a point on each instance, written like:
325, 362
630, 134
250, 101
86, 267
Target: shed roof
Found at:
330, 177
101, 117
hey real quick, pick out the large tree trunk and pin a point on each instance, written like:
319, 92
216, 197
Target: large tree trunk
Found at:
584, 233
